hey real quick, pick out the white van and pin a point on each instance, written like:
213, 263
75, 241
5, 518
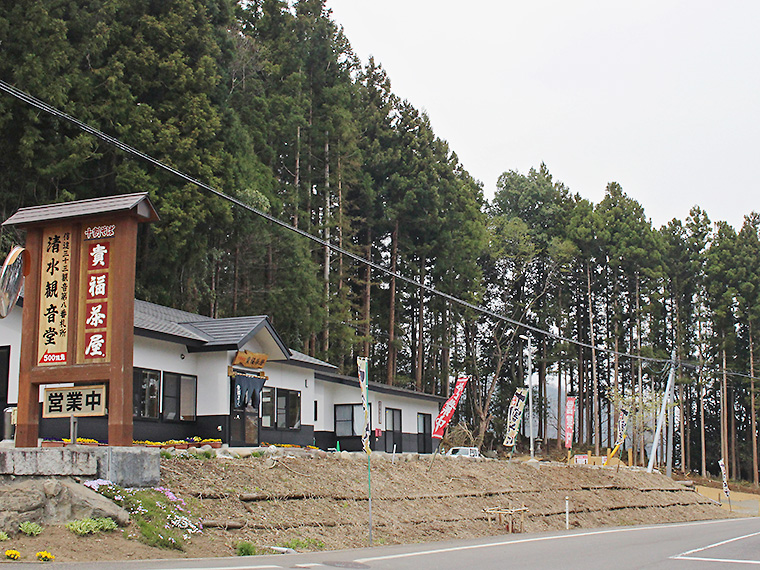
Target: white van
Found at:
463, 452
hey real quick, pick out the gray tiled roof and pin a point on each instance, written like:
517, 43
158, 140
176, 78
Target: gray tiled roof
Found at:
148, 322
201, 333
306, 359
234, 330
109, 204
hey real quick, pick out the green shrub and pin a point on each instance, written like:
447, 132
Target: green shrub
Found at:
247, 549
304, 544
4, 536
91, 526
165, 454
30, 528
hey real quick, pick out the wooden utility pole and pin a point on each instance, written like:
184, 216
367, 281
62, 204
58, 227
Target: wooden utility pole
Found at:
753, 419
594, 380
724, 415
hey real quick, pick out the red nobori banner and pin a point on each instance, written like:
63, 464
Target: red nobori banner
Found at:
447, 411
569, 421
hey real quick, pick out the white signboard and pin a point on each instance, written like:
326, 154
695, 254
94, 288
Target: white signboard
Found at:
76, 401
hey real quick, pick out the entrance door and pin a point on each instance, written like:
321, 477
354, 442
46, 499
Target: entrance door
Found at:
244, 427
244, 421
424, 433
393, 430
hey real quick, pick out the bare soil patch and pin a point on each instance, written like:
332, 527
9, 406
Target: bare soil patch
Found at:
319, 501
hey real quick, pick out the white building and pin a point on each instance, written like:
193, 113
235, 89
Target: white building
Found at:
188, 382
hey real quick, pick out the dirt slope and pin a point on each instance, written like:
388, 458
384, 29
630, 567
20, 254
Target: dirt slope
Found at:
320, 501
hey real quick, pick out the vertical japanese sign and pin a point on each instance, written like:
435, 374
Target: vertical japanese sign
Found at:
447, 411
569, 421
725, 479
622, 426
52, 339
362, 365
516, 407
94, 317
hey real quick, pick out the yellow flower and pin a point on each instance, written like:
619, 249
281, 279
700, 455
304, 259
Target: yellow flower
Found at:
12, 554
45, 556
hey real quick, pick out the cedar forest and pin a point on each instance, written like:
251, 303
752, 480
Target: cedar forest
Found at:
265, 101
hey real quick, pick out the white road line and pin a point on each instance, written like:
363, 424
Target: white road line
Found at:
721, 543
535, 539
264, 567
723, 560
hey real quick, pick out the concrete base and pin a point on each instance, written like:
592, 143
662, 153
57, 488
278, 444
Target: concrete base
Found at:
125, 466
129, 466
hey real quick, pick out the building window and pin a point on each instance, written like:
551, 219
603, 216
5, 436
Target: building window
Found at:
349, 420
280, 408
315, 411
145, 389
267, 407
288, 409
179, 397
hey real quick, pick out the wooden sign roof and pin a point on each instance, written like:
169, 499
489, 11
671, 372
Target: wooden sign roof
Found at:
139, 204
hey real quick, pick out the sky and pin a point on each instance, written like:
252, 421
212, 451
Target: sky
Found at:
662, 96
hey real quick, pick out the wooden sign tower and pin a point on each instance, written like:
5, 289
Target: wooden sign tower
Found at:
78, 319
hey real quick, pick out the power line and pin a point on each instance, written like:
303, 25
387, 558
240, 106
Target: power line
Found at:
41, 105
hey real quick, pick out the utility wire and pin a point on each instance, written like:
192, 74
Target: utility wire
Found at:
42, 106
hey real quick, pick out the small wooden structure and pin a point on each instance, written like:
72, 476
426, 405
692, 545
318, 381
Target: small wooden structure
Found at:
78, 319
513, 518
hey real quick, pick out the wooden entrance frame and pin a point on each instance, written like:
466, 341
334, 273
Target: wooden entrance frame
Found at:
120, 215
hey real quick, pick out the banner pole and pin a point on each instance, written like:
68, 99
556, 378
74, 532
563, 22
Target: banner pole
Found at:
369, 486
614, 451
438, 450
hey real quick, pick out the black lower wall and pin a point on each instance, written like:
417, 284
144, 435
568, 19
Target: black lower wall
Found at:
217, 427
205, 427
327, 440
302, 436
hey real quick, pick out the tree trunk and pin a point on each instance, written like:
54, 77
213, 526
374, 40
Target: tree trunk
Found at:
581, 393
340, 226
559, 404
542, 412
688, 424
309, 174
681, 424
445, 351
420, 330
367, 296
344, 357
297, 178
617, 395
702, 391
328, 251
391, 372
235, 284
731, 410
724, 415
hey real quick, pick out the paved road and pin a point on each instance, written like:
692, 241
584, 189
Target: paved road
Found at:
710, 545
